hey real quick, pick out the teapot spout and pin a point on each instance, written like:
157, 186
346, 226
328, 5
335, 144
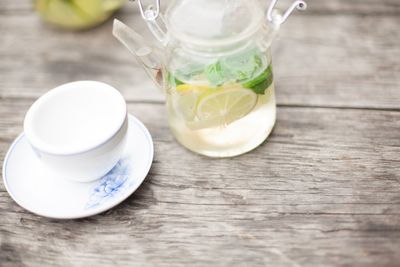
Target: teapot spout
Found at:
147, 55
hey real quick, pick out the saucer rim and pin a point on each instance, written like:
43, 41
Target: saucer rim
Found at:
93, 212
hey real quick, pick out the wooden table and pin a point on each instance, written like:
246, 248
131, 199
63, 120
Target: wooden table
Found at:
323, 191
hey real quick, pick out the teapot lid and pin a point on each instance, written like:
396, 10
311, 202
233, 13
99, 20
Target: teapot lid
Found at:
214, 22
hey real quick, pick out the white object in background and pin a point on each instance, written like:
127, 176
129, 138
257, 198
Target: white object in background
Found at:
34, 188
78, 129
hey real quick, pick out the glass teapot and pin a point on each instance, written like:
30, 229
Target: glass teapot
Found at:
213, 61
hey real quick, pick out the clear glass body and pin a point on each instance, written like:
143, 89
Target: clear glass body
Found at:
221, 100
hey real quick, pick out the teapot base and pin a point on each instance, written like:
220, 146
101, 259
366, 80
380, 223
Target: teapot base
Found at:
231, 140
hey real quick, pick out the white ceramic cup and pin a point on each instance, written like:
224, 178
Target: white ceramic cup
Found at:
78, 130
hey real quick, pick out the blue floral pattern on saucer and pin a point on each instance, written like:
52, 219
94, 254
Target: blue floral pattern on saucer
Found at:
112, 184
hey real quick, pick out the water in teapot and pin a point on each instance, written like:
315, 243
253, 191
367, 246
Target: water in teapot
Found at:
225, 107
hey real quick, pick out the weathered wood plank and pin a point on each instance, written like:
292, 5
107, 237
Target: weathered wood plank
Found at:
323, 191
333, 61
14, 6
339, 61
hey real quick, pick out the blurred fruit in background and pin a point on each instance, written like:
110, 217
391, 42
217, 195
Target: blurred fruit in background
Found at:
77, 14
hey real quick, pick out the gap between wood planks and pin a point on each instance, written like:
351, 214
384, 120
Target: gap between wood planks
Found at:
150, 102
158, 102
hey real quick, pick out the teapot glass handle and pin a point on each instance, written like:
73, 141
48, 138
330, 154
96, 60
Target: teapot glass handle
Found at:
155, 21
276, 18
148, 13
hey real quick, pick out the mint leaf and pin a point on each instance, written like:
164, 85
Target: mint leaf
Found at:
243, 66
240, 67
189, 71
216, 74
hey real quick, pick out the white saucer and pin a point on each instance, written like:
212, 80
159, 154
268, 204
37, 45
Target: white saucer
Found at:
34, 188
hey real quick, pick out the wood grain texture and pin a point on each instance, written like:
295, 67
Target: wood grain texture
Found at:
319, 60
333, 61
323, 191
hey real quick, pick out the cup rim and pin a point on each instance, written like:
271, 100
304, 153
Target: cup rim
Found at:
41, 146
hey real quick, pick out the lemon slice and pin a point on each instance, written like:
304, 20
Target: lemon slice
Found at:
223, 106
185, 99
186, 88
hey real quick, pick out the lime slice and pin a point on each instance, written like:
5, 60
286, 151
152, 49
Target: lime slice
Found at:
262, 82
224, 106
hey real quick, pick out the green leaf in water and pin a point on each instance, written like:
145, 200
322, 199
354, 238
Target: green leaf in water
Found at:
243, 66
215, 74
